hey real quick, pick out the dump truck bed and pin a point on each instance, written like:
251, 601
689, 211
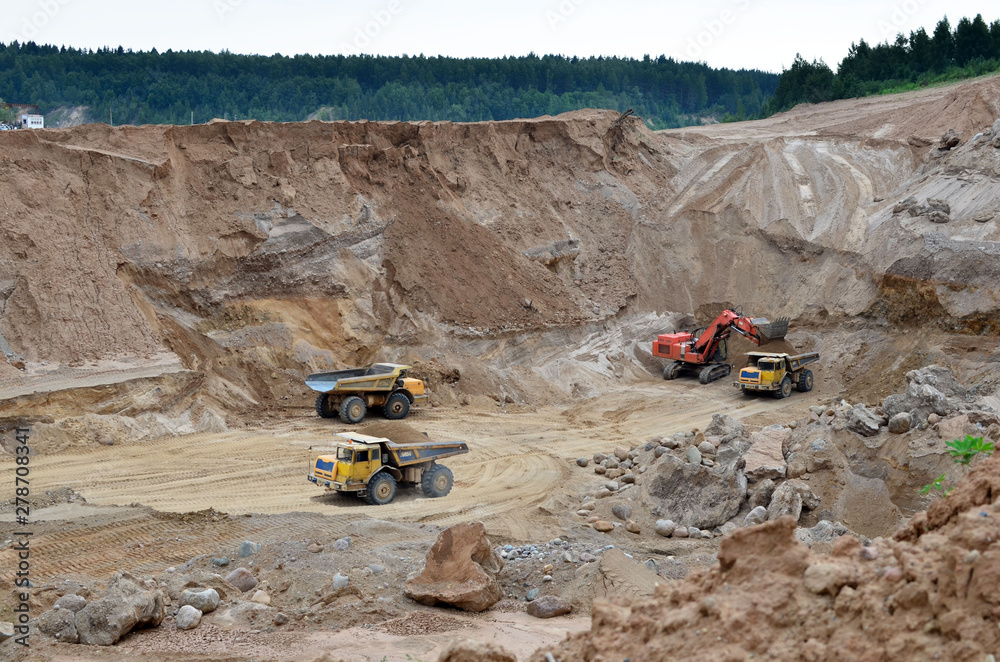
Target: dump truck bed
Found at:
376, 377
406, 454
795, 363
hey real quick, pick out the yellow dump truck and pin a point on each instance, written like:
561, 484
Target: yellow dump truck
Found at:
351, 393
776, 373
373, 467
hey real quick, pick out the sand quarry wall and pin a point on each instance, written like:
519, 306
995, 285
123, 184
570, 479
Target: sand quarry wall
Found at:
236, 245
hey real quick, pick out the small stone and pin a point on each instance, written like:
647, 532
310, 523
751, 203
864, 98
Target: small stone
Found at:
588, 505
628, 479
547, 578
343, 544
376, 568
547, 568
901, 422
567, 557
602, 493
603, 527
582, 461
587, 557
248, 548
869, 553
188, 618
600, 469
694, 532
652, 565
660, 451
549, 606
532, 594
261, 598
74, 603
632, 527
340, 581
242, 579
706, 448
622, 511
611, 485
694, 455
280, 618
621, 453
220, 561
599, 457
933, 419
680, 532
793, 424
204, 600
708, 463
756, 516
664, 527
314, 547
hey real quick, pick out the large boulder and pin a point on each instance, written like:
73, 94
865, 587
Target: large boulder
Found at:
126, 605
204, 600
693, 494
549, 606
60, 624
460, 570
930, 390
725, 427
765, 458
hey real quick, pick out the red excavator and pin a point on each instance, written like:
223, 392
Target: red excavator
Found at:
704, 350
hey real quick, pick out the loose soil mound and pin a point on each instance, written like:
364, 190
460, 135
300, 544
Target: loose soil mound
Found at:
931, 593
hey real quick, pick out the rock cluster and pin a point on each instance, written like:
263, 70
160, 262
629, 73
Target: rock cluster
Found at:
936, 211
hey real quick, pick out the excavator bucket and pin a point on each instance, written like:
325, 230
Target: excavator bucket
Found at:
771, 330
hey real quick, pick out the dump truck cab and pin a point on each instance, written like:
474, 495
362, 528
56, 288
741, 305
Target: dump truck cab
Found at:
776, 373
373, 467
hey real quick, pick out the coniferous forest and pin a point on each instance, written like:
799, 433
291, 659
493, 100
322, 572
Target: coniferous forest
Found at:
176, 87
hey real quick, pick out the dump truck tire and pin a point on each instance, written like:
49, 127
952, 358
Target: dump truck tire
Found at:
785, 389
747, 391
381, 489
353, 410
323, 407
805, 381
437, 481
396, 407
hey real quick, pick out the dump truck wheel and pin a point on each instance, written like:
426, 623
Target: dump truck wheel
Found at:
749, 392
396, 407
673, 370
805, 381
381, 489
437, 481
353, 410
323, 407
785, 389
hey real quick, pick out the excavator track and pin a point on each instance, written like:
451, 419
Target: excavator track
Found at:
711, 373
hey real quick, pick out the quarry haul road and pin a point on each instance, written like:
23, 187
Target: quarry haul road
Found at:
518, 460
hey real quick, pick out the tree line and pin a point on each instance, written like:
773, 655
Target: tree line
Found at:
152, 87
972, 48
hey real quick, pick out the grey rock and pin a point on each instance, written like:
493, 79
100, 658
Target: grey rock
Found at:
60, 624
340, 581
621, 453
950, 140
693, 494
582, 461
602, 493
343, 544
549, 606
532, 594
706, 448
725, 427
187, 618
756, 516
938, 217
248, 548
242, 579
6, 630
762, 493
611, 463
825, 531
622, 511
280, 619
728, 528
220, 561
599, 457
659, 451
900, 423
932, 389
587, 557
204, 600
72, 602
694, 455
939, 205
628, 479
664, 527
125, 605
789, 499
680, 532
862, 420
376, 569
652, 565
695, 532
996, 128
611, 486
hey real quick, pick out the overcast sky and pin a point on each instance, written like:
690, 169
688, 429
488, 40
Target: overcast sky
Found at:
763, 34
